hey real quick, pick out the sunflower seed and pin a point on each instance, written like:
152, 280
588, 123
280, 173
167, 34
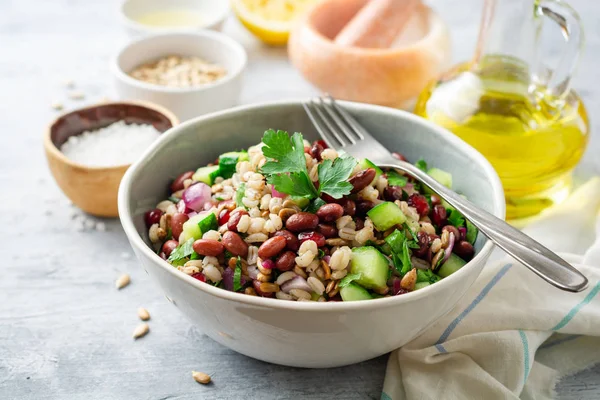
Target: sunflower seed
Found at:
143, 314
122, 281
201, 377
141, 331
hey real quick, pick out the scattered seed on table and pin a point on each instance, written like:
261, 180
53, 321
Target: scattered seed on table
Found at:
201, 377
141, 331
143, 314
123, 281
77, 95
57, 105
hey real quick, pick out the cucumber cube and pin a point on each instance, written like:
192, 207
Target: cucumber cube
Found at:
386, 215
353, 292
371, 265
206, 174
453, 264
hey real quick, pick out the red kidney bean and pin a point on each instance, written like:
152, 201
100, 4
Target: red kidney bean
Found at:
452, 229
316, 237
235, 244
362, 207
330, 212
464, 250
169, 246
177, 221
152, 217
399, 156
271, 247
349, 206
439, 216
360, 223
286, 261
256, 284
292, 242
302, 221
423, 242
178, 182
329, 231
234, 219
328, 199
419, 202
432, 237
208, 247
392, 193
362, 179
316, 150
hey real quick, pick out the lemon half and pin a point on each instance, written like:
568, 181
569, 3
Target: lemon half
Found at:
270, 20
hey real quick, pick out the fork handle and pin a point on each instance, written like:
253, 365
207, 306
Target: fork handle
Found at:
542, 261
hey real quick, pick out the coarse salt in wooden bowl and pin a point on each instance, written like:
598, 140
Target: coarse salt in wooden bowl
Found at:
94, 189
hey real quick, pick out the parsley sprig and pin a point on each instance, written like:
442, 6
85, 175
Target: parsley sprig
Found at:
286, 168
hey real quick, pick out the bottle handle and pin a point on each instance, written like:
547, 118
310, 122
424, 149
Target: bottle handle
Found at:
570, 24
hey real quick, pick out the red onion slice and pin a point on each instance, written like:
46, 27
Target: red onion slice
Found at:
296, 283
277, 194
448, 251
196, 196
409, 188
252, 271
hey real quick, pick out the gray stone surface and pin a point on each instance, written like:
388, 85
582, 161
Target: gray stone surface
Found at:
65, 332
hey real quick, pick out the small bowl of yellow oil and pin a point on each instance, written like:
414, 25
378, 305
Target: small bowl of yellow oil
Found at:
533, 139
157, 16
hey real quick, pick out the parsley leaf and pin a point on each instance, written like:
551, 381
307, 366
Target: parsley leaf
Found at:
422, 165
471, 232
284, 154
455, 218
174, 199
182, 251
395, 179
427, 276
349, 279
314, 205
400, 251
239, 195
237, 275
295, 184
333, 175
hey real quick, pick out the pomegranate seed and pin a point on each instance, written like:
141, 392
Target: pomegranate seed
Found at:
419, 202
439, 216
463, 232
307, 149
224, 217
152, 217
316, 237
322, 143
268, 264
199, 276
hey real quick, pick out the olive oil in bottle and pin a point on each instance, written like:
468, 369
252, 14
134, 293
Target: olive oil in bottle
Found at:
533, 139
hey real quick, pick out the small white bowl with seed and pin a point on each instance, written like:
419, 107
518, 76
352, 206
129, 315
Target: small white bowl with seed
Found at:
190, 73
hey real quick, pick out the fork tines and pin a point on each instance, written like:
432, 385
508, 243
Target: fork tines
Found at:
335, 125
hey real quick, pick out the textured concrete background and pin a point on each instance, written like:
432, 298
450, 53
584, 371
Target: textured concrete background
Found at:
65, 332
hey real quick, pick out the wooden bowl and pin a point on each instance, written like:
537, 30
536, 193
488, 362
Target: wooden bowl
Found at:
391, 77
94, 189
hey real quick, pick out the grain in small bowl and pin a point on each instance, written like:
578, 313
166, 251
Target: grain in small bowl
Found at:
89, 149
142, 17
189, 73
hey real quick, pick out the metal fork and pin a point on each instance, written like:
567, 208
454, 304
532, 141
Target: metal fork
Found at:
341, 131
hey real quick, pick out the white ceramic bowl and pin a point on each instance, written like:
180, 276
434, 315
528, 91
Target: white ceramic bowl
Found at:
186, 103
303, 334
213, 13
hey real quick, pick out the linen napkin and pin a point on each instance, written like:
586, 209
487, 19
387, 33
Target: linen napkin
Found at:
513, 336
